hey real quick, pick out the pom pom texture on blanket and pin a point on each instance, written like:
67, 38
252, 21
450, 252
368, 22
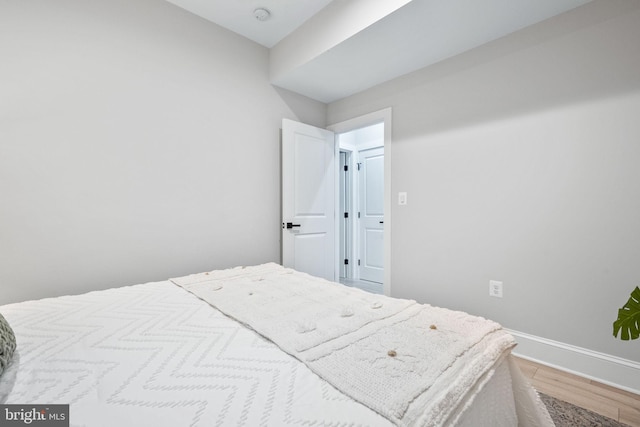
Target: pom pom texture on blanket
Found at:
412, 363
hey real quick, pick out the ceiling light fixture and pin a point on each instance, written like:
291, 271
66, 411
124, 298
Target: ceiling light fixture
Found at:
261, 14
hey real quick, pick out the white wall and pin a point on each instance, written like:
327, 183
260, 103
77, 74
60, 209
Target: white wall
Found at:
521, 162
137, 142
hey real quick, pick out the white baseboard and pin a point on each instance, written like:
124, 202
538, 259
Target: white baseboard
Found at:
615, 371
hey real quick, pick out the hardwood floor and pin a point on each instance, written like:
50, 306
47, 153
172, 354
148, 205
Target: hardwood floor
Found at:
619, 405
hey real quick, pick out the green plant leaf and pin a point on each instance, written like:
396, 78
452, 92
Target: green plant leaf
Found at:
628, 322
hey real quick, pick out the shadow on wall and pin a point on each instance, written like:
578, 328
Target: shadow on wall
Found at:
547, 65
306, 109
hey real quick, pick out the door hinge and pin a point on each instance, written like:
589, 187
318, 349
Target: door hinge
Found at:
359, 164
358, 214
358, 262
346, 262
346, 168
346, 214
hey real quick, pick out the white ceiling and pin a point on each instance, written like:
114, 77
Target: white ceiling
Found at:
237, 16
412, 35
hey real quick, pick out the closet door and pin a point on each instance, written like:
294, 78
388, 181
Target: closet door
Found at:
371, 222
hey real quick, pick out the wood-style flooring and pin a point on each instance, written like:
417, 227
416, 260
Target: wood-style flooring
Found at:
611, 402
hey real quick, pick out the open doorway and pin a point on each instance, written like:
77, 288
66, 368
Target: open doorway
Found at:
361, 204
310, 156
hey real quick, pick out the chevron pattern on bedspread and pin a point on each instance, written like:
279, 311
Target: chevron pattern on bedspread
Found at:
154, 354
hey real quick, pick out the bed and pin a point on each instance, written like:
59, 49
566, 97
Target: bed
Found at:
263, 346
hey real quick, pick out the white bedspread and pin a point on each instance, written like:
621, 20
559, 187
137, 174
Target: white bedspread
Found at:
414, 364
155, 355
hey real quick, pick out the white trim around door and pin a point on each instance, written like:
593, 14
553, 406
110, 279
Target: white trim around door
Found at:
381, 116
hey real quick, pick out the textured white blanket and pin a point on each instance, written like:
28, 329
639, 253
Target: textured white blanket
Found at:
414, 364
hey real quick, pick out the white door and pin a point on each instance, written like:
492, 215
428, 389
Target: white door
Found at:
371, 206
308, 199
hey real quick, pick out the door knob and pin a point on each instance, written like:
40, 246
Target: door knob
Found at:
291, 225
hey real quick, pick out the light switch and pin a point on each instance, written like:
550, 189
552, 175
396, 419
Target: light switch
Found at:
402, 198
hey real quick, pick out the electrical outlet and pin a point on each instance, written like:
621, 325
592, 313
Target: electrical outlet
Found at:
495, 288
